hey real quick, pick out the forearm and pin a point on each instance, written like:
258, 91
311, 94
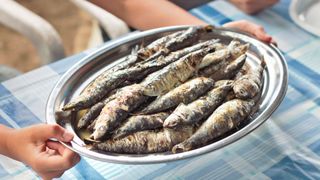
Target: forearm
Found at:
5, 135
143, 15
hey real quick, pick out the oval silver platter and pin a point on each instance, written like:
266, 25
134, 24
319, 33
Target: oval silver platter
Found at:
81, 74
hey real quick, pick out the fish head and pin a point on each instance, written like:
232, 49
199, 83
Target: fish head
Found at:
171, 123
248, 89
99, 133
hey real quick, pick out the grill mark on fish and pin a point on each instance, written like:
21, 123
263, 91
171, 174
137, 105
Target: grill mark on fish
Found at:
219, 60
145, 142
215, 58
95, 110
141, 70
231, 69
85, 100
140, 123
173, 75
117, 110
225, 118
157, 45
199, 109
249, 85
184, 93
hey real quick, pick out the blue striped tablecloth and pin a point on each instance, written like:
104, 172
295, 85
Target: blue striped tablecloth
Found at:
287, 146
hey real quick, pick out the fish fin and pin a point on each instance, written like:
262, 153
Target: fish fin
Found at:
209, 28
263, 62
90, 140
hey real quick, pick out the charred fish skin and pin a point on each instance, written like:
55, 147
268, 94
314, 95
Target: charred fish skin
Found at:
145, 142
95, 110
199, 109
249, 85
93, 96
231, 69
157, 45
92, 113
117, 110
109, 81
90, 126
141, 70
226, 117
172, 75
175, 55
184, 93
218, 60
243, 71
140, 123
184, 39
189, 37
215, 57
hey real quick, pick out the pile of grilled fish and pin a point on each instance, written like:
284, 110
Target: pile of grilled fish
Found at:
176, 94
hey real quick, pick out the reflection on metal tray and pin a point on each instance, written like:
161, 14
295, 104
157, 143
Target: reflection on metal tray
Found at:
82, 73
306, 14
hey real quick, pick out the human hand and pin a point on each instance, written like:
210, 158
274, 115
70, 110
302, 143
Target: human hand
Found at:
32, 146
251, 28
253, 6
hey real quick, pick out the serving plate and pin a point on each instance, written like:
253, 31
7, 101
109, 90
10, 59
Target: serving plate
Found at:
306, 14
81, 74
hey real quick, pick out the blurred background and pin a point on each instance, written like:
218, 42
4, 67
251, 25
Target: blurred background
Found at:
74, 25
37, 32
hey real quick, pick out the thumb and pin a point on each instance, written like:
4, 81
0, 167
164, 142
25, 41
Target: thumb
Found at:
47, 131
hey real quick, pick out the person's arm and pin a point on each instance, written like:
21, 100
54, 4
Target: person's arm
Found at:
144, 15
4, 134
32, 146
253, 6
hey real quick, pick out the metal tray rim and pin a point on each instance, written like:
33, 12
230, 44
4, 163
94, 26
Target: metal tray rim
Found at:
170, 157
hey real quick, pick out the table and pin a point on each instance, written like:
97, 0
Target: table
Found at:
287, 146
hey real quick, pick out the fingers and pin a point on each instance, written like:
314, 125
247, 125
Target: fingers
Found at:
259, 32
62, 160
251, 28
56, 146
51, 175
253, 6
46, 131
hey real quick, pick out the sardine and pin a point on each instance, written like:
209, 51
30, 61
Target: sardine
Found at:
92, 124
113, 78
223, 83
237, 49
199, 109
225, 118
218, 60
140, 123
173, 75
117, 110
230, 70
184, 93
215, 57
141, 70
243, 71
90, 115
157, 45
101, 88
249, 85
144, 142
185, 39
94, 111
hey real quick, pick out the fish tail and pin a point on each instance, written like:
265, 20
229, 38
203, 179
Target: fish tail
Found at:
182, 147
263, 62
